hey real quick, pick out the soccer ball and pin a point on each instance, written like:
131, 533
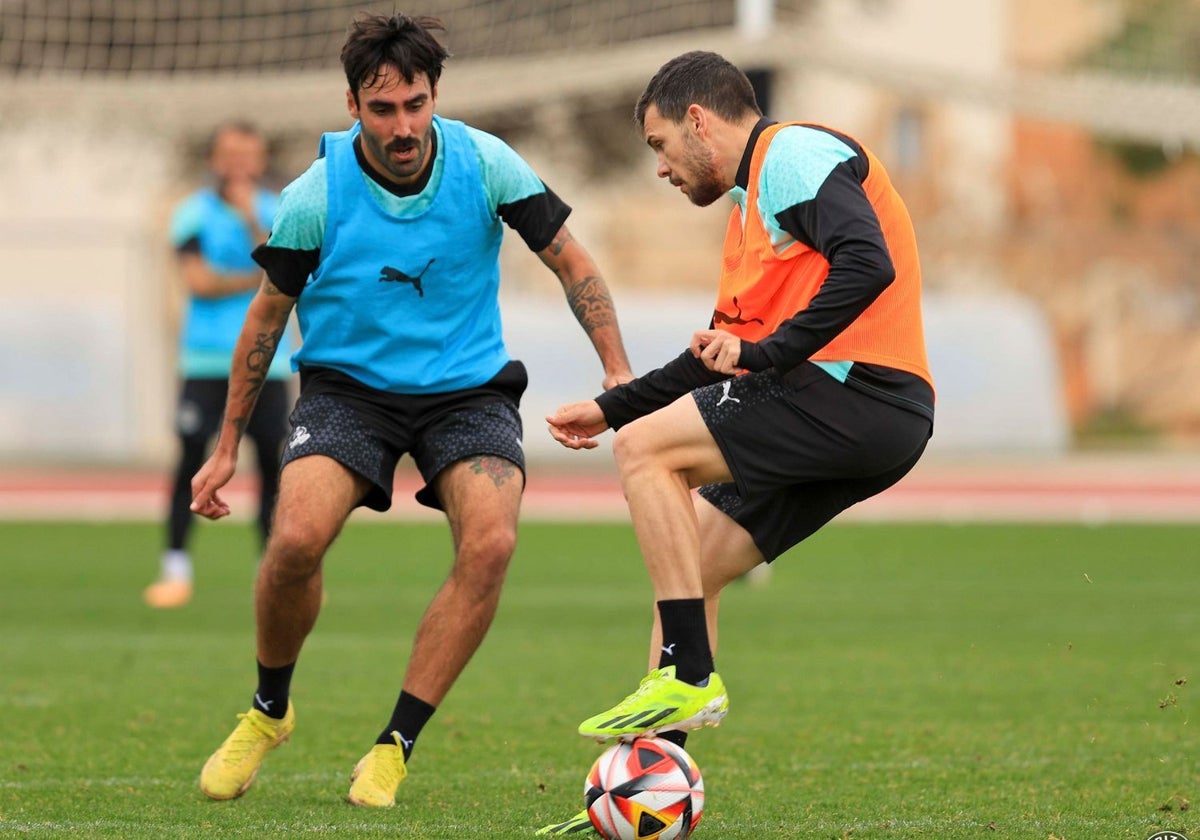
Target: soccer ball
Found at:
646, 789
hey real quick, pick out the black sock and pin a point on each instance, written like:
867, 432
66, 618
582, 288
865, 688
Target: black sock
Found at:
685, 639
408, 719
274, 684
676, 736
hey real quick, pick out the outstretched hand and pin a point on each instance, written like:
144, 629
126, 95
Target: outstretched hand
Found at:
214, 475
576, 425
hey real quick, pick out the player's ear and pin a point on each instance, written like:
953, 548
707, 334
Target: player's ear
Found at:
696, 119
351, 103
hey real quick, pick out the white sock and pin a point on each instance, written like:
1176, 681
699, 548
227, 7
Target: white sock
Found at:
176, 565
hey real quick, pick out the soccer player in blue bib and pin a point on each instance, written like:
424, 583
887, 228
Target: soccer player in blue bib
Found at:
387, 248
214, 230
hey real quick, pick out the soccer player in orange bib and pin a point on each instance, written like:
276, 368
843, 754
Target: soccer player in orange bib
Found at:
809, 391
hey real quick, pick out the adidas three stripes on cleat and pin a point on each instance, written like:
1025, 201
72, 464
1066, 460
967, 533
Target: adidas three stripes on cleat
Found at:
661, 703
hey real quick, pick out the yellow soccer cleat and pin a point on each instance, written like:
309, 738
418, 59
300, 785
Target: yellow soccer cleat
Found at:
230, 771
377, 775
661, 703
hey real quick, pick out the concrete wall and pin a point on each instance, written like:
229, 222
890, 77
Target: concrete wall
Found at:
83, 358
992, 356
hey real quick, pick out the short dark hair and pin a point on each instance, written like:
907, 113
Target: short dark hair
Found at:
234, 126
700, 78
377, 42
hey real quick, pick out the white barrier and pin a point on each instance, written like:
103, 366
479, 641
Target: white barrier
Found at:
992, 355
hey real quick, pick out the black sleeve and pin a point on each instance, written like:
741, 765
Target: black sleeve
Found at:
287, 269
190, 246
650, 392
537, 218
839, 223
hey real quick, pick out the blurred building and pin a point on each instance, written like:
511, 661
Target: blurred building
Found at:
1047, 151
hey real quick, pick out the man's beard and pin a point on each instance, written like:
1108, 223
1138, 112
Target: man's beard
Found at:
705, 186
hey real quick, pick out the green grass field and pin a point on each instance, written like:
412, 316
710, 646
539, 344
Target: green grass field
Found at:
889, 681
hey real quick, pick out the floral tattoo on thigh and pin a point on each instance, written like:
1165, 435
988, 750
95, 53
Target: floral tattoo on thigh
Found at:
498, 470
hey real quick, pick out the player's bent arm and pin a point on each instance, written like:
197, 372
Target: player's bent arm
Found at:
651, 391
590, 301
266, 321
202, 282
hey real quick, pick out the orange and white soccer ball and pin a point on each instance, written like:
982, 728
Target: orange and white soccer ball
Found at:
646, 789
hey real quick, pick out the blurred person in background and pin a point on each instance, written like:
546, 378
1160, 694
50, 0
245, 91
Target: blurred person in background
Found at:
388, 249
214, 231
809, 392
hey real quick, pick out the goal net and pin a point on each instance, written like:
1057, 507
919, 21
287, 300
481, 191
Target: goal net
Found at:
272, 36
126, 50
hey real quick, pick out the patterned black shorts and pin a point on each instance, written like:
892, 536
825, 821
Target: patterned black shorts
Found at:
802, 448
367, 430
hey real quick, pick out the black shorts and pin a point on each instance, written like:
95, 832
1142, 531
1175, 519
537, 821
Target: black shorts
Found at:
202, 407
367, 430
802, 448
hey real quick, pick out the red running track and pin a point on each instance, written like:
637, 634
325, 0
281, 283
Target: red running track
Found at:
1091, 489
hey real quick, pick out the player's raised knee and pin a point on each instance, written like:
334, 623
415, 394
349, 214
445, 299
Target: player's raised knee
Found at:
633, 448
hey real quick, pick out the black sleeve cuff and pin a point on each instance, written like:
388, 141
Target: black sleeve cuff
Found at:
658, 388
610, 405
752, 357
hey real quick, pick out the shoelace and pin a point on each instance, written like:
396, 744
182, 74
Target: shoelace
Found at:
384, 770
246, 737
648, 684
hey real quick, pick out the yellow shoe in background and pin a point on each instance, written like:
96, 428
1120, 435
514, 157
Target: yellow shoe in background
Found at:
230, 771
168, 594
377, 775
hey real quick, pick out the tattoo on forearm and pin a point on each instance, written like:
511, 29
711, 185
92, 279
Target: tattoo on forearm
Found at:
498, 470
258, 362
591, 303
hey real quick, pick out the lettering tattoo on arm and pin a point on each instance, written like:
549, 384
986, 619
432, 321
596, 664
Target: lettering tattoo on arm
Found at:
258, 362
